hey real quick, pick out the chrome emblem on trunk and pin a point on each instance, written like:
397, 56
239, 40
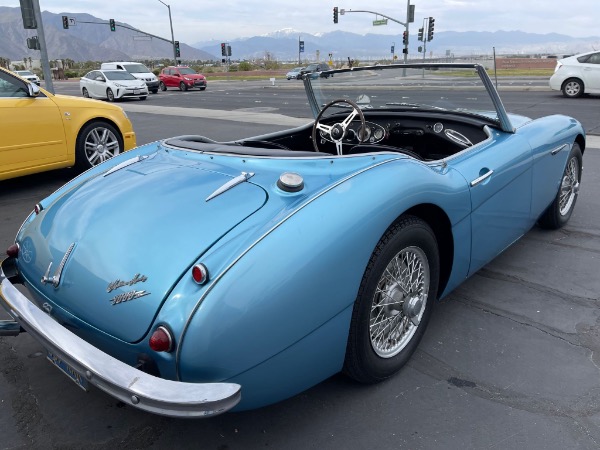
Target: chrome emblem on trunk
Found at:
137, 278
130, 295
127, 296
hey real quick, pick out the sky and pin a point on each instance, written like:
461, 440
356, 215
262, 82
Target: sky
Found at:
224, 20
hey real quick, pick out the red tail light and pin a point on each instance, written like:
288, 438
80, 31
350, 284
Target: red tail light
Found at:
161, 340
13, 251
200, 273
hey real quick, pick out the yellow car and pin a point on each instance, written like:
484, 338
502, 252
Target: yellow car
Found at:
41, 131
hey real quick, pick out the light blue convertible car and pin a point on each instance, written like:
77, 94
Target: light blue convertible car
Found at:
189, 277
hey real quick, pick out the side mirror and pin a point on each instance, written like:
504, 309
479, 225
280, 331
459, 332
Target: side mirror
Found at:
99, 78
177, 75
33, 90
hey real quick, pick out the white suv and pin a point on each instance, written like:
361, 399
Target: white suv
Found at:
29, 76
577, 75
138, 70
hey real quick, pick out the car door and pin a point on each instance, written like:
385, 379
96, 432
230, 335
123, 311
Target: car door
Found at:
169, 77
94, 85
591, 72
499, 175
31, 128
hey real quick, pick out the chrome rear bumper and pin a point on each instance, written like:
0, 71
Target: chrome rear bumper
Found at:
130, 385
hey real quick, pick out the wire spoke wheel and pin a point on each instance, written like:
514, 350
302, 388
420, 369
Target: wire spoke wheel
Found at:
560, 210
394, 301
569, 186
399, 302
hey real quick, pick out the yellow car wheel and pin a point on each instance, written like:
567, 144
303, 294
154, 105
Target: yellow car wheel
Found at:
97, 142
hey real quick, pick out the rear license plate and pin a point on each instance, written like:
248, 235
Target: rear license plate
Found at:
75, 376
136, 91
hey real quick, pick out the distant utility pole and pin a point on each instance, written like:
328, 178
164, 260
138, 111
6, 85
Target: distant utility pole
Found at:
300, 50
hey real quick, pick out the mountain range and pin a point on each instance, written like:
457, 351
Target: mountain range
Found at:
91, 40
283, 44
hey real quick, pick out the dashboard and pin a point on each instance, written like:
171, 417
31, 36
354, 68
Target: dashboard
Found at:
433, 135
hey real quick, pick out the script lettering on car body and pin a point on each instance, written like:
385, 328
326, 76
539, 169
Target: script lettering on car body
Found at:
137, 278
128, 296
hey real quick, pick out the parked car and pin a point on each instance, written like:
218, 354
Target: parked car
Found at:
312, 68
294, 74
138, 70
42, 131
181, 77
29, 76
247, 271
112, 85
577, 75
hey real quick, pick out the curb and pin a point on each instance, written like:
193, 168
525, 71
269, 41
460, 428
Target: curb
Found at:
592, 141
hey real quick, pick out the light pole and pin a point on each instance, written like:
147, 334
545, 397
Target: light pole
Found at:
172, 35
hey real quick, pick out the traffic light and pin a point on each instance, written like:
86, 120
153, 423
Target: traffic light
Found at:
223, 49
229, 50
405, 38
65, 20
177, 51
33, 43
113, 27
420, 34
430, 28
335, 14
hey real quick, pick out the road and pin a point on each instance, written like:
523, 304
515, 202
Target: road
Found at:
528, 96
510, 359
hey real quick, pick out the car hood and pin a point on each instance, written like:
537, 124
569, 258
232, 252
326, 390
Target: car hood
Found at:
194, 76
124, 239
129, 83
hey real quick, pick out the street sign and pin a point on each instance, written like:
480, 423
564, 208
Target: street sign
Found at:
342, 12
380, 22
301, 46
72, 22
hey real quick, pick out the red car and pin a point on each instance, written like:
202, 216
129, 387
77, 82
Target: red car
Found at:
181, 77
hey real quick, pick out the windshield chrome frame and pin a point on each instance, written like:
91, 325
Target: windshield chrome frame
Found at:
503, 119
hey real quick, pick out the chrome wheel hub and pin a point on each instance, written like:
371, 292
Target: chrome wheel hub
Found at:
399, 302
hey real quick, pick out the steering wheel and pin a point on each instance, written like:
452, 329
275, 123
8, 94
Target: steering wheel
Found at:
337, 132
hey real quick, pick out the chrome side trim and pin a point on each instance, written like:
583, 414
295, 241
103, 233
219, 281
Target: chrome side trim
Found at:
121, 381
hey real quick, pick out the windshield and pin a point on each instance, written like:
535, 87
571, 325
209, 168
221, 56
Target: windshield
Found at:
119, 75
408, 87
136, 68
186, 71
24, 72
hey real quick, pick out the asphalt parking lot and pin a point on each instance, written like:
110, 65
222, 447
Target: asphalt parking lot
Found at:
511, 360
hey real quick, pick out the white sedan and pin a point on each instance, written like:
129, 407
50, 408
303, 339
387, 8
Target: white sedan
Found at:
577, 75
112, 85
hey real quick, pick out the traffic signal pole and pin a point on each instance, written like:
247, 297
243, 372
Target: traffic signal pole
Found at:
43, 49
409, 18
172, 35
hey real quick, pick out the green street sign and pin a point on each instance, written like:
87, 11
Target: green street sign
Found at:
380, 22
